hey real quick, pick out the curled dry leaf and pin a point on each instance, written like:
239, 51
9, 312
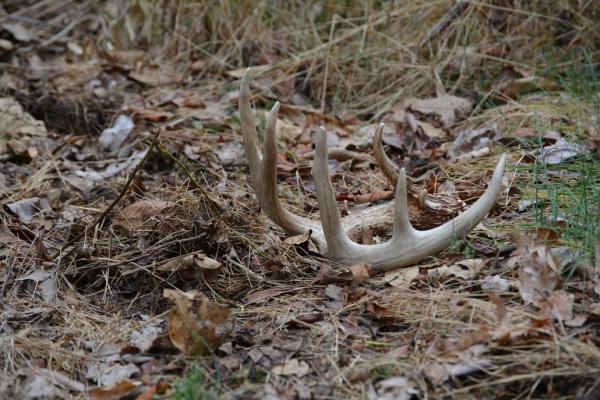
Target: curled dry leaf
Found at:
139, 214
194, 321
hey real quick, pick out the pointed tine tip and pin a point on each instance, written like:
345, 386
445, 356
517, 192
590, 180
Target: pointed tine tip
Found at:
379, 132
499, 170
402, 175
401, 187
321, 137
275, 108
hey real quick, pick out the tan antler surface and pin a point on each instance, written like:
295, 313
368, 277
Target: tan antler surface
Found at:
407, 245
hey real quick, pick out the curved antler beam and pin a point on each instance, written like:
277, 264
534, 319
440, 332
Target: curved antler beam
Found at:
407, 245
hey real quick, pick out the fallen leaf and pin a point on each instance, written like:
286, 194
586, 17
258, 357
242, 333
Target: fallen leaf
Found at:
327, 275
402, 277
334, 292
9, 240
361, 272
262, 296
538, 274
45, 383
230, 153
111, 170
27, 209
194, 321
19, 32
395, 388
139, 214
446, 108
465, 269
495, 283
292, 367
195, 260
561, 151
112, 138
115, 391
470, 141
144, 337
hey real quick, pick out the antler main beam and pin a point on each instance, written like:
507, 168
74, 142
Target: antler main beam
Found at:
407, 245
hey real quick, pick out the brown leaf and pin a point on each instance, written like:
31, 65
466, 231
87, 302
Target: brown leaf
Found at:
327, 275
139, 214
376, 195
304, 241
361, 272
262, 296
116, 391
194, 321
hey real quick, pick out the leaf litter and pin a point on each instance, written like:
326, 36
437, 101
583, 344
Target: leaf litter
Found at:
113, 301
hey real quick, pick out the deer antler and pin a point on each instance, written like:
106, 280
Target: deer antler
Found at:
407, 244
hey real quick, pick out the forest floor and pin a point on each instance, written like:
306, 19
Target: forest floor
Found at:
136, 263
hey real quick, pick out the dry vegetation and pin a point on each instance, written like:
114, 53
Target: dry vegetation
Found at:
144, 268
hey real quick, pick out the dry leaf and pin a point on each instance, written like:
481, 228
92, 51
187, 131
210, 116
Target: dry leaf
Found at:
495, 283
139, 214
361, 272
561, 151
402, 277
230, 153
194, 321
538, 274
396, 388
116, 391
19, 32
446, 108
260, 296
189, 261
27, 209
292, 367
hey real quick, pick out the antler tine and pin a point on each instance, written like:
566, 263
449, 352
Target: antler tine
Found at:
335, 236
462, 224
263, 168
402, 228
248, 127
384, 162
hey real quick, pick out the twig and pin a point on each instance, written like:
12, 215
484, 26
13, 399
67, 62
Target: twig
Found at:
115, 201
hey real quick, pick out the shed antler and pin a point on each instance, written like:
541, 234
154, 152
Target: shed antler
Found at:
407, 245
